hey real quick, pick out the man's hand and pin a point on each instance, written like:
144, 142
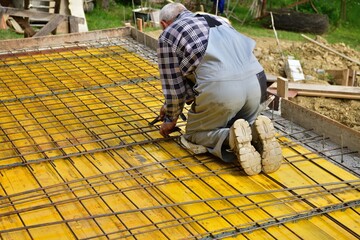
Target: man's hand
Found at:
167, 127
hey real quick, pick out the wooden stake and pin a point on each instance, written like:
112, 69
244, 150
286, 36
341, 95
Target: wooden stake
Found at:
345, 77
282, 87
139, 24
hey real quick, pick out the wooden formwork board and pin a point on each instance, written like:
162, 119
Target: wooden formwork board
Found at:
61, 40
337, 132
78, 160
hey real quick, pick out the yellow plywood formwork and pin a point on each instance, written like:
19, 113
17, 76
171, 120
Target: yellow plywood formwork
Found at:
79, 160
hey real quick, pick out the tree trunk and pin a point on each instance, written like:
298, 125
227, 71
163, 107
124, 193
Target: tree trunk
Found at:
343, 11
263, 8
103, 3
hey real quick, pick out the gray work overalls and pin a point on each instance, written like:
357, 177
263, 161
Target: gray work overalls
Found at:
227, 88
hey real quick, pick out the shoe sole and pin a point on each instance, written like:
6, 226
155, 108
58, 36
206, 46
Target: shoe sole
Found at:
247, 155
194, 148
269, 148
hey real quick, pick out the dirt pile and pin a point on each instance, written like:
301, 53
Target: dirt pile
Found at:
314, 59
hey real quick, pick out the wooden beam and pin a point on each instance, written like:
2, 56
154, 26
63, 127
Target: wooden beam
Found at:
25, 13
31, 14
352, 78
333, 91
340, 77
320, 124
61, 39
50, 26
329, 95
3, 19
16, 25
73, 24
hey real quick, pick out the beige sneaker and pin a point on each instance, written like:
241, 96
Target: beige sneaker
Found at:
196, 149
240, 142
266, 144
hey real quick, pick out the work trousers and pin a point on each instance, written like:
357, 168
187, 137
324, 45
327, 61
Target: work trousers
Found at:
229, 85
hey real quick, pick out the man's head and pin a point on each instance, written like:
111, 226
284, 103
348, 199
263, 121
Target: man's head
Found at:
169, 13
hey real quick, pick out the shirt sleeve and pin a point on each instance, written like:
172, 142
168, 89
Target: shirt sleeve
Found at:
173, 84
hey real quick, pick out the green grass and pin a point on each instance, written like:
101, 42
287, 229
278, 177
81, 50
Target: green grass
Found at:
9, 34
116, 16
347, 35
258, 31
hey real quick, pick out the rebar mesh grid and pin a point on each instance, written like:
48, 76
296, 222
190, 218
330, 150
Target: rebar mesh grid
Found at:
78, 159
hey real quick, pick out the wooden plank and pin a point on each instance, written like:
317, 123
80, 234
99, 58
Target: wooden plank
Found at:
329, 95
340, 77
16, 25
63, 39
73, 24
323, 90
63, 28
25, 13
30, 14
322, 125
50, 26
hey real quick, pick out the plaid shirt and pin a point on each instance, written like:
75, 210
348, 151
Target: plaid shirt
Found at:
181, 48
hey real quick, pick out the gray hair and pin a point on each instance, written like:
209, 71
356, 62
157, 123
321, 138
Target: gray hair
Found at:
170, 11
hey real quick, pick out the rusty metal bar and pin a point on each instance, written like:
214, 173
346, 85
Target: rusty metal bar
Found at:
297, 197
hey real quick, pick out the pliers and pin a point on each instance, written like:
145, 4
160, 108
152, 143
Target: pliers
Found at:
157, 119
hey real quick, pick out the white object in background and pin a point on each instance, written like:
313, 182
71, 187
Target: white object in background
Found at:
76, 8
293, 70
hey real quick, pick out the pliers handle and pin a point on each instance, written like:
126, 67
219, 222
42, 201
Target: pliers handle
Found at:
157, 119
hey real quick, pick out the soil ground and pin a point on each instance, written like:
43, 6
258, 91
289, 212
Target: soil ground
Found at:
314, 60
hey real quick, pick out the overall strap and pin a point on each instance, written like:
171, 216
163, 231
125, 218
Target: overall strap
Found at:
211, 21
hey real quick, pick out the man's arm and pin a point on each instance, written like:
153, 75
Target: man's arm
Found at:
172, 81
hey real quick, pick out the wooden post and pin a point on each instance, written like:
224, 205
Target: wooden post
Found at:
282, 87
3, 18
352, 78
139, 24
73, 24
50, 26
345, 77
